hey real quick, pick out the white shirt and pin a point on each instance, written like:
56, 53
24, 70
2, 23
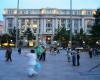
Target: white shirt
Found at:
31, 58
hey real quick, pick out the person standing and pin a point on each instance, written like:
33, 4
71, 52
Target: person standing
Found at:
8, 54
73, 57
50, 49
90, 52
58, 52
43, 55
69, 54
39, 51
94, 51
78, 57
19, 50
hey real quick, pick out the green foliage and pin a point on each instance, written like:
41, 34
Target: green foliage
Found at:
13, 34
80, 37
97, 17
5, 38
81, 32
61, 34
95, 32
29, 34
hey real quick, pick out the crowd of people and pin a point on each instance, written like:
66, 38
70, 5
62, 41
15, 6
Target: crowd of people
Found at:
74, 56
38, 53
35, 55
94, 51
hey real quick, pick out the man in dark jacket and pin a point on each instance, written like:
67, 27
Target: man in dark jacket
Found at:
78, 57
8, 54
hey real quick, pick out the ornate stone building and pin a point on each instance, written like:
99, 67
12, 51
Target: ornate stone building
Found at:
43, 22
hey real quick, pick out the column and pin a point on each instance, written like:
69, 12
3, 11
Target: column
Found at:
41, 25
31, 25
5, 25
53, 26
44, 25
66, 24
56, 23
19, 22
60, 23
73, 26
83, 24
37, 26
79, 25
15, 21
25, 21
38, 33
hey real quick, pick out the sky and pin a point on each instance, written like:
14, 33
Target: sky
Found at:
37, 4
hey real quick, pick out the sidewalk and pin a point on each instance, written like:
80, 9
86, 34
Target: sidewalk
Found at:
55, 67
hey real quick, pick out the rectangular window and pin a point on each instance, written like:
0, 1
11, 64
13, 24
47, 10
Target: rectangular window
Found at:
36, 11
75, 12
49, 11
10, 11
67, 12
10, 22
62, 12
48, 23
68, 23
22, 22
81, 22
76, 24
89, 13
9, 30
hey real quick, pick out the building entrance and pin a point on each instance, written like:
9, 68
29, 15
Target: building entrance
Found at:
48, 39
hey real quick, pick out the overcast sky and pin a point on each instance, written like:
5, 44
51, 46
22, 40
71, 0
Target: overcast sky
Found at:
37, 4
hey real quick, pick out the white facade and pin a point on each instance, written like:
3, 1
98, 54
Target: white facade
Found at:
1, 27
43, 22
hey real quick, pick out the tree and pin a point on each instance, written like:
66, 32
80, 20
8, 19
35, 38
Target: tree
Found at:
61, 35
95, 32
79, 37
13, 34
28, 33
5, 38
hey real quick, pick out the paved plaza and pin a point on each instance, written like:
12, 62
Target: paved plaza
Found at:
55, 67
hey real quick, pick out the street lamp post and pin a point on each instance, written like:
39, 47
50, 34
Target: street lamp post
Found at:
17, 23
70, 39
